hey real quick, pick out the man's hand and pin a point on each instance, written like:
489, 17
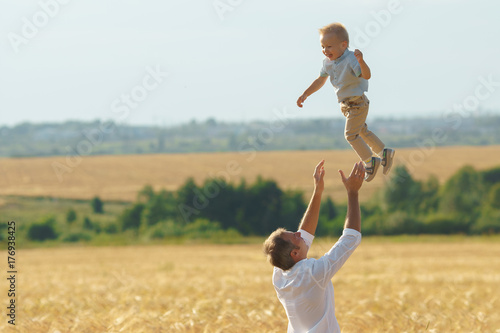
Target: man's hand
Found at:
310, 220
352, 185
318, 175
301, 100
359, 55
356, 178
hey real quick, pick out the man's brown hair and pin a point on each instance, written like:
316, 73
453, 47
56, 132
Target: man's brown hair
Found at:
278, 250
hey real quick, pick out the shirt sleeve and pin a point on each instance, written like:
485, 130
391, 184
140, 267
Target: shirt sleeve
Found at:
323, 72
356, 68
308, 238
325, 267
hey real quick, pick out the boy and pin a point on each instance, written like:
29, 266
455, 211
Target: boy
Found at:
349, 74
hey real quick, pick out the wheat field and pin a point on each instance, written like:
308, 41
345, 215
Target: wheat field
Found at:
121, 177
419, 285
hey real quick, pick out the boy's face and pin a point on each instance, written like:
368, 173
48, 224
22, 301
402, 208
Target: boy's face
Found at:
332, 47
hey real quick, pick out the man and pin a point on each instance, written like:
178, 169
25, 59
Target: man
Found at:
304, 285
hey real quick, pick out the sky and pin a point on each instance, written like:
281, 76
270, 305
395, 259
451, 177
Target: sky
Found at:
169, 62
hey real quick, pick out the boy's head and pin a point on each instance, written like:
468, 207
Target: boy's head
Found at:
334, 40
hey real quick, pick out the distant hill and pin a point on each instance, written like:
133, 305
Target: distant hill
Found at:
99, 138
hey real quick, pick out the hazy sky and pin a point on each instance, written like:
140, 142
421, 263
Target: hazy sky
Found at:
166, 62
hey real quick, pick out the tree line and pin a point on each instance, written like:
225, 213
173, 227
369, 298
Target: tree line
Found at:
467, 203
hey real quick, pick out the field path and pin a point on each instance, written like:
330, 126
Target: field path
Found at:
119, 177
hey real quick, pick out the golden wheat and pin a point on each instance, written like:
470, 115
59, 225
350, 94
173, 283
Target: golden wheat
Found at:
120, 177
384, 287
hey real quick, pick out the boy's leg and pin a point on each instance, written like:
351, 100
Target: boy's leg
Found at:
356, 111
376, 145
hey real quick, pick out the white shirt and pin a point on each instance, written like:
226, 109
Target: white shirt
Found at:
344, 75
306, 290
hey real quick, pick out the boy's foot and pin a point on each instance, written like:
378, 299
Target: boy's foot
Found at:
371, 170
387, 158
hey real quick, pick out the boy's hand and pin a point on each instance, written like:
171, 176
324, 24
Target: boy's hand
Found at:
365, 70
358, 55
301, 100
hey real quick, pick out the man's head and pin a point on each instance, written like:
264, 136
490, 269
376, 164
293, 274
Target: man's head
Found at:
285, 248
334, 40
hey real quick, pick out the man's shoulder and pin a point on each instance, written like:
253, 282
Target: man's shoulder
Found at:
283, 278
298, 267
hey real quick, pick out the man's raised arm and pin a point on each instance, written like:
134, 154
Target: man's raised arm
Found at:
310, 220
352, 185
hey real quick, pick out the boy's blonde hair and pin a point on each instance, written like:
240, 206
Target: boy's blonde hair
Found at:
338, 29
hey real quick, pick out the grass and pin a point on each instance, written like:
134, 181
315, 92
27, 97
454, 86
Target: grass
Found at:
121, 177
32, 209
415, 286
28, 210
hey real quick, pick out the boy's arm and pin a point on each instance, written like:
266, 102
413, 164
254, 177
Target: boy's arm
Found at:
365, 70
310, 220
315, 86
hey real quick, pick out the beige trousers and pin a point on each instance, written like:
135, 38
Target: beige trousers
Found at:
364, 142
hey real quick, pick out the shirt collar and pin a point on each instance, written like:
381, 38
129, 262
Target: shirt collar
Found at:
339, 59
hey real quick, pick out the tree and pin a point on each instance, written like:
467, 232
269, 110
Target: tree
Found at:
97, 205
131, 217
491, 176
44, 230
87, 224
403, 193
263, 208
494, 197
292, 209
71, 216
223, 201
400, 222
430, 195
160, 207
462, 194
186, 197
146, 194
328, 210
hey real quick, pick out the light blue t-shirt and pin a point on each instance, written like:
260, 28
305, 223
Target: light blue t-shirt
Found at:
344, 75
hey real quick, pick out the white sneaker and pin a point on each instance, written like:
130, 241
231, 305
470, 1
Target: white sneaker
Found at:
387, 159
372, 170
